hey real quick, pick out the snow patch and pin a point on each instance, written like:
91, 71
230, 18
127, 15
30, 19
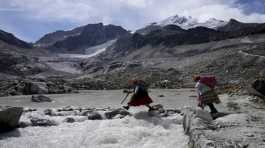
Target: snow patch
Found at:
189, 22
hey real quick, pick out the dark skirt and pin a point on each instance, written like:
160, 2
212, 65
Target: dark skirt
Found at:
137, 100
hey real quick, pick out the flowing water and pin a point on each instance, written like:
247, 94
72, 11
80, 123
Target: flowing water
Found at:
137, 131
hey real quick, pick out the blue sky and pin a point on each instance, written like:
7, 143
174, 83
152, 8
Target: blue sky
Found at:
31, 19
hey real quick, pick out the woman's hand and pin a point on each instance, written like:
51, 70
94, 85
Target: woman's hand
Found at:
127, 91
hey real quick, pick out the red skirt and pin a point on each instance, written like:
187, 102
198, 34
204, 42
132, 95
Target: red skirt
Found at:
137, 101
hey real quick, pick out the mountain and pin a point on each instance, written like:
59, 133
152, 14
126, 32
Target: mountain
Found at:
173, 35
183, 22
11, 39
170, 35
236, 28
51, 38
189, 22
232, 52
81, 38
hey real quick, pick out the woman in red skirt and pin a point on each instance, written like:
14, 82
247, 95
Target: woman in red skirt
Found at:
140, 95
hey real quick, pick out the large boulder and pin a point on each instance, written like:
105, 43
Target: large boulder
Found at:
196, 119
40, 98
204, 132
196, 123
9, 117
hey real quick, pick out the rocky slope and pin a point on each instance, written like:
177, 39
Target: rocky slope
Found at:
22, 71
19, 60
81, 38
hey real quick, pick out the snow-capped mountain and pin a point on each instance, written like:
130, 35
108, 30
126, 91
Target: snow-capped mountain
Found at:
189, 22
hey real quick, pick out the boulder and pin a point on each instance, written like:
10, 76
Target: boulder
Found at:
50, 112
42, 122
40, 98
94, 116
195, 124
196, 119
67, 108
69, 120
204, 132
9, 117
113, 113
159, 108
86, 112
25, 110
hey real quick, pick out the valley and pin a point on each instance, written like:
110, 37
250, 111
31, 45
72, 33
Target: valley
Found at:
65, 89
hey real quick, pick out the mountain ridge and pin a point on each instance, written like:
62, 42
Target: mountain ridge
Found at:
11, 39
80, 38
183, 22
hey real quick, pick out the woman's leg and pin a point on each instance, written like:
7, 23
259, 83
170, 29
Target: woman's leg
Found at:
150, 107
212, 108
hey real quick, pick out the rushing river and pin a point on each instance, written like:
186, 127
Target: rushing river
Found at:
169, 98
137, 131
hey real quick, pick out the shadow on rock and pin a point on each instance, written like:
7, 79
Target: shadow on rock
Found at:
10, 134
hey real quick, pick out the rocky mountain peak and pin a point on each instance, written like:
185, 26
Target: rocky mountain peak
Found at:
187, 22
79, 39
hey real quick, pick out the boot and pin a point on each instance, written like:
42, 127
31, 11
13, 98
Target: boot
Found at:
126, 107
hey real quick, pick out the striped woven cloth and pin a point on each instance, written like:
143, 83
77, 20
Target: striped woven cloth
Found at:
210, 97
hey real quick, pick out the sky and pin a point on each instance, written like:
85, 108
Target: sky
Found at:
31, 19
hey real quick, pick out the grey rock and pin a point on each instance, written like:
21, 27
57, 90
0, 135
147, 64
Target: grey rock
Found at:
42, 122
94, 116
25, 110
119, 111
159, 108
50, 112
86, 112
9, 117
173, 111
196, 119
204, 132
161, 95
40, 98
67, 108
69, 120
24, 124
